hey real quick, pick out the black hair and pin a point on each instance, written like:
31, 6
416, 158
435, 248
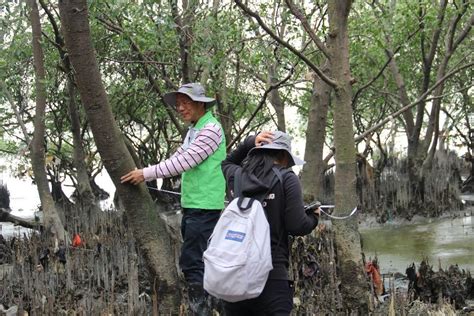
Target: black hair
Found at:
261, 161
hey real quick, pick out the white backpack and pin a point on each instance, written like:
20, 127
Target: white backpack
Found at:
238, 258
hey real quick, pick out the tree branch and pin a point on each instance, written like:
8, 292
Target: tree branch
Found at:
257, 109
420, 99
138, 61
300, 16
311, 65
365, 86
461, 134
463, 33
17, 113
145, 61
428, 60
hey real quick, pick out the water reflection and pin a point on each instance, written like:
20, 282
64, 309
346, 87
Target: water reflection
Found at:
442, 241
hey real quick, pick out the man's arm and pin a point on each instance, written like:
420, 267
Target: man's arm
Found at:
205, 144
178, 151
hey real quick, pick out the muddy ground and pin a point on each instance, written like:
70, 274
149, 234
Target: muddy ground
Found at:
105, 276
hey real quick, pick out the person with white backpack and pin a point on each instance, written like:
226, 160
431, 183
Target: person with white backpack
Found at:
259, 168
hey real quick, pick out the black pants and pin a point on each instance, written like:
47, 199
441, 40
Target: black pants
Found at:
196, 228
276, 299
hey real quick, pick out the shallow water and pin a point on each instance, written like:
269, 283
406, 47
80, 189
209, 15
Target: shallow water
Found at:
446, 241
443, 241
9, 230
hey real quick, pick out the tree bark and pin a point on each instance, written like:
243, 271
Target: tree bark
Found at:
353, 286
83, 187
412, 129
314, 168
148, 229
224, 107
420, 154
275, 98
450, 45
51, 219
185, 33
88, 202
83, 182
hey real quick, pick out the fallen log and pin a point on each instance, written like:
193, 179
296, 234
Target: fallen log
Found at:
6, 216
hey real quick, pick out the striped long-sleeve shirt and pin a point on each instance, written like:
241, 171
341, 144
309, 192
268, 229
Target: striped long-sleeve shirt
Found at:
188, 156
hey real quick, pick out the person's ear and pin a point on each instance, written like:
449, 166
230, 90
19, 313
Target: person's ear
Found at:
200, 105
287, 159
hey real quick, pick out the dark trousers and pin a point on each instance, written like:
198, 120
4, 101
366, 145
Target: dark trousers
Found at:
196, 228
276, 299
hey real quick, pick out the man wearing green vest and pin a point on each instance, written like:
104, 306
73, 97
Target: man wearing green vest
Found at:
198, 161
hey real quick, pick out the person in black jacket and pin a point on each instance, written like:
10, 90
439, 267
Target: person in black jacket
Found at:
284, 208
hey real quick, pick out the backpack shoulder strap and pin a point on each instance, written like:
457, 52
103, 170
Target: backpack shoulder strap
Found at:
244, 203
278, 174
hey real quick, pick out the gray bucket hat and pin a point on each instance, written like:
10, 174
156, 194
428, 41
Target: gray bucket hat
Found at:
193, 90
281, 141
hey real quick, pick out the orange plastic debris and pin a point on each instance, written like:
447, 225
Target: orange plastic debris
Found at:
77, 241
374, 271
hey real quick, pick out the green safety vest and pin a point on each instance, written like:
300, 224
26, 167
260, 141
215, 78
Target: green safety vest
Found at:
204, 185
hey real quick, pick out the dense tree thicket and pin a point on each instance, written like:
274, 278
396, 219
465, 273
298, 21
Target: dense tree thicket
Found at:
378, 92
